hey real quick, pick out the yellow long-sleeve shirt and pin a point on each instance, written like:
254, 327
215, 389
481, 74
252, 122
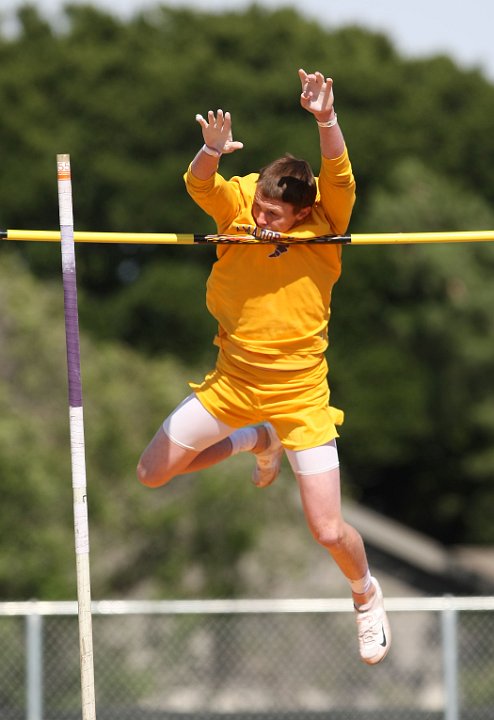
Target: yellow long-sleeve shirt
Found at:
272, 303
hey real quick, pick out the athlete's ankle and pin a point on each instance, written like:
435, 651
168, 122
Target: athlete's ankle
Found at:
362, 601
363, 590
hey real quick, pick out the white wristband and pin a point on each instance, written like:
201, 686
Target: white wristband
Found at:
329, 123
211, 151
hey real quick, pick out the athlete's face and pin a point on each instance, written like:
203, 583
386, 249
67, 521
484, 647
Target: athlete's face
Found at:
276, 215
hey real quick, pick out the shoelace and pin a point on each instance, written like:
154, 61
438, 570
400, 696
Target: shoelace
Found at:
370, 627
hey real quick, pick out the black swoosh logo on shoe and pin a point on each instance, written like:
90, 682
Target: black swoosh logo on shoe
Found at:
384, 642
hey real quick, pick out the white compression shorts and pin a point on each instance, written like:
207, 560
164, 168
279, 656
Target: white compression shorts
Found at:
192, 427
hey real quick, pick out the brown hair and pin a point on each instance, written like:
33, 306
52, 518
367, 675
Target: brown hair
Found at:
290, 180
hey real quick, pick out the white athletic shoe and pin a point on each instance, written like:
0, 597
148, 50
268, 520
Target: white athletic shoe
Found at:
268, 461
374, 633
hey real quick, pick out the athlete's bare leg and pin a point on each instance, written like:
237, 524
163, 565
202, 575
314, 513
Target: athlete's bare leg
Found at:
164, 459
321, 501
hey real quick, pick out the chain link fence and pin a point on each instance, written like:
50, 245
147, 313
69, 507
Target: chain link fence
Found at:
252, 660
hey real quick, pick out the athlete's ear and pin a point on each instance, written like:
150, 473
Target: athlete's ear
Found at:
303, 213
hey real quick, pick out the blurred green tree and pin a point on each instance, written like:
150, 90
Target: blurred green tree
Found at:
412, 356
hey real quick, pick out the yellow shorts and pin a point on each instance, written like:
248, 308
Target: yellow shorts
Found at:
295, 402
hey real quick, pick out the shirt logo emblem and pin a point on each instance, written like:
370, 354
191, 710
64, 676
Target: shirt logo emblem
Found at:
278, 250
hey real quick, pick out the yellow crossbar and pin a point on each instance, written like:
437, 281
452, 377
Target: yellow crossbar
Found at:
191, 239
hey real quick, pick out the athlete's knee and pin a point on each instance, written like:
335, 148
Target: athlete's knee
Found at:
143, 474
149, 476
158, 461
155, 466
329, 534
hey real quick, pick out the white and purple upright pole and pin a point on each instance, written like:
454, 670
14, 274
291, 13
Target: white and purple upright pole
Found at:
77, 447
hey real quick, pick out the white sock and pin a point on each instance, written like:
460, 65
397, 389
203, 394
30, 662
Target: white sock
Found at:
243, 439
360, 587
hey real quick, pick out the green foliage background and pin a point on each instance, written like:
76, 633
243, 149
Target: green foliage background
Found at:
412, 331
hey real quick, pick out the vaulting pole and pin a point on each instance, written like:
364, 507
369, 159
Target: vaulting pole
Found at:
77, 445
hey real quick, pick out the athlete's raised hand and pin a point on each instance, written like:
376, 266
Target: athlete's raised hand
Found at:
217, 132
317, 94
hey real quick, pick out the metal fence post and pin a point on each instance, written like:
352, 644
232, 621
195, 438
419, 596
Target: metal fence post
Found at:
449, 623
34, 666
